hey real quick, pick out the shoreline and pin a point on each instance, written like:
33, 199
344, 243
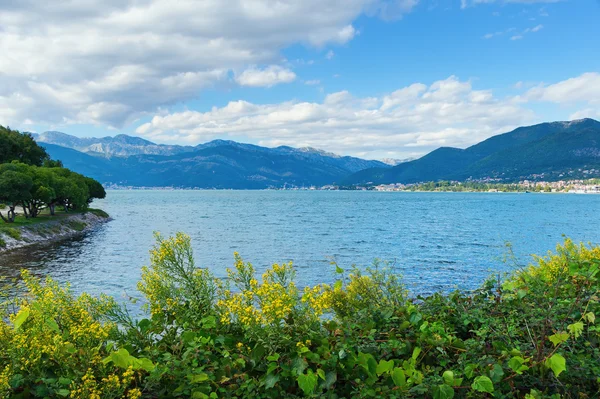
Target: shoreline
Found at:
45, 232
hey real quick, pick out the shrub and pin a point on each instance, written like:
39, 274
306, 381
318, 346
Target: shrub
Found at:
532, 335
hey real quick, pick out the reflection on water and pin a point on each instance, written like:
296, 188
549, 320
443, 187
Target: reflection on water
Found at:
437, 241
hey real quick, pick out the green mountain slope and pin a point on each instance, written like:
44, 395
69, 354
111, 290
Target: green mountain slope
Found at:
554, 149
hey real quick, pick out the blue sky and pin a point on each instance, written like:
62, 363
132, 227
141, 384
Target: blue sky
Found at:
373, 78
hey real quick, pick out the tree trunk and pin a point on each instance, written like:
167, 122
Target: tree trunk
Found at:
25, 210
10, 215
51, 207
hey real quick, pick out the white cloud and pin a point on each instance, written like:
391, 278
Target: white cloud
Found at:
266, 77
593, 113
534, 29
411, 120
581, 89
330, 54
517, 36
312, 82
110, 62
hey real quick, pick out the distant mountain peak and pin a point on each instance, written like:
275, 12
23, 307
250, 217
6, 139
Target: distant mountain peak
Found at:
318, 151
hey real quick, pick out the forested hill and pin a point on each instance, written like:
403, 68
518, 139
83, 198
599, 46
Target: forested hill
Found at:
32, 181
549, 150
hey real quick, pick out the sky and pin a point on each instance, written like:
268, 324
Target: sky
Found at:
370, 78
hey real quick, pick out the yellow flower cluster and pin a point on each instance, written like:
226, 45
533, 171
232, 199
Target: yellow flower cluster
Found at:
318, 299
551, 266
4, 378
265, 303
111, 386
54, 329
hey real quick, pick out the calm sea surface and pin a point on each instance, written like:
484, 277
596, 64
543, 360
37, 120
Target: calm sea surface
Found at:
437, 241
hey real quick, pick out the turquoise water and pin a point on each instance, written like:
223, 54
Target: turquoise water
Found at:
437, 241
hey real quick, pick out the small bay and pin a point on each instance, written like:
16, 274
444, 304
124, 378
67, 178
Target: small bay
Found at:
437, 241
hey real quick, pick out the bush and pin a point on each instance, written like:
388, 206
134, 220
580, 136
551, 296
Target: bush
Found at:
532, 335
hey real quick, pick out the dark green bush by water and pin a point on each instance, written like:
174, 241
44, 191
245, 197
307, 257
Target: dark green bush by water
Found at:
532, 335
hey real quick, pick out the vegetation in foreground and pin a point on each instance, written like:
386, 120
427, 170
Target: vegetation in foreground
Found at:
532, 335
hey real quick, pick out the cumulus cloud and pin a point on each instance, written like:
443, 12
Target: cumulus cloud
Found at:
411, 120
267, 77
581, 89
110, 62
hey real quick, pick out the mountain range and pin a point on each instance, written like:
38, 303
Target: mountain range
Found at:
550, 151
131, 161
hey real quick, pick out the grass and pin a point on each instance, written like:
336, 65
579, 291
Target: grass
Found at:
77, 226
98, 212
12, 233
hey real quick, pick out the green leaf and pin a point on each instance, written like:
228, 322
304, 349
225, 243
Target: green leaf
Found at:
21, 318
398, 377
273, 358
557, 363
321, 373
368, 362
209, 322
590, 317
470, 370
339, 270
576, 328
517, 364
144, 364
448, 377
144, 325
483, 384
496, 373
559, 338
51, 324
63, 392
188, 336
330, 379
64, 381
121, 358
416, 353
443, 392
198, 378
385, 366
271, 380
307, 382
199, 395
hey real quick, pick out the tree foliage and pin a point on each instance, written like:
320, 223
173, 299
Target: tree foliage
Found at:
31, 180
20, 147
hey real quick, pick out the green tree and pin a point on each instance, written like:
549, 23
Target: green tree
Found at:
21, 147
15, 187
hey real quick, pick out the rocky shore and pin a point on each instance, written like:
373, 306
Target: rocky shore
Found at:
65, 226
